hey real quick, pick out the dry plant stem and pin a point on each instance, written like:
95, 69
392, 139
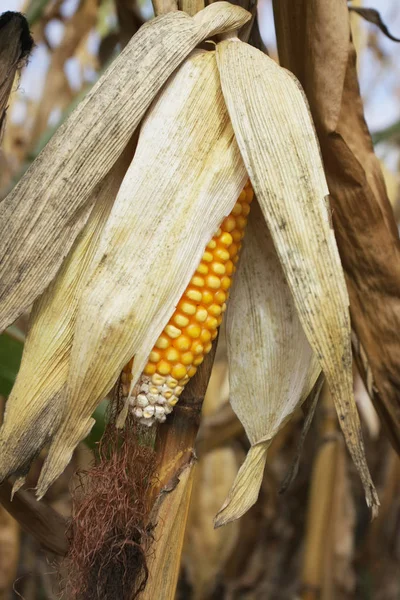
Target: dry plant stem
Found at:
37, 518
191, 7
175, 439
314, 42
320, 503
175, 457
161, 7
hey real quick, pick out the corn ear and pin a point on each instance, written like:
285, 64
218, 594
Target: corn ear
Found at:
277, 140
44, 213
185, 177
35, 406
281, 368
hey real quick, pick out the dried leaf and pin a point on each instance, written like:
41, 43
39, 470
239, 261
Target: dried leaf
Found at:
176, 192
314, 42
35, 406
44, 213
372, 16
308, 408
271, 365
15, 45
276, 137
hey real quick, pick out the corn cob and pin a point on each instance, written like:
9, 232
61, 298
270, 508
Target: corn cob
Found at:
189, 334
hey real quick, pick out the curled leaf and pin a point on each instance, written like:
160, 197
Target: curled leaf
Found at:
277, 140
373, 16
43, 214
185, 177
35, 406
271, 365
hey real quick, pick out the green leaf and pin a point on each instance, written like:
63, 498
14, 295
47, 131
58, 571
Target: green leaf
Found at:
10, 359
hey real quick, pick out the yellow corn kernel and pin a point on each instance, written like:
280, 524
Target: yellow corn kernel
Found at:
213, 282
218, 268
178, 371
172, 331
182, 343
194, 295
201, 315
189, 334
150, 369
187, 307
162, 342
197, 281
172, 354
163, 367
207, 297
180, 320
193, 330
154, 356
187, 358
202, 269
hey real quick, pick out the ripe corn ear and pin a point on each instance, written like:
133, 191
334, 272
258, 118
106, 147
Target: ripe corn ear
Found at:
188, 336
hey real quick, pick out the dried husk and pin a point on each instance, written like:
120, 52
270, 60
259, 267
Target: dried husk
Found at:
275, 134
35, 406
185, 177
314, 42
46, 210
272, 368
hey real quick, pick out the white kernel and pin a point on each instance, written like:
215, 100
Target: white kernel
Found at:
159, 411
138, 413
141, 400
148, 412
167, 409
153, 398
153, 390
148, 422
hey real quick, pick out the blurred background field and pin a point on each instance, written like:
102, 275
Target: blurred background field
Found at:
313, 542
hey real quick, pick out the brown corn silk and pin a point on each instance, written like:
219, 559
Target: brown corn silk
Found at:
314, 41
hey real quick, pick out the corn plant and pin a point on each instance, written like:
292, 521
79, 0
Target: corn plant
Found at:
191, 182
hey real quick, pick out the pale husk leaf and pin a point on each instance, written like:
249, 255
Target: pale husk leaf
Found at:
185, 177
271, 365
277, 141
35, 406
44, 213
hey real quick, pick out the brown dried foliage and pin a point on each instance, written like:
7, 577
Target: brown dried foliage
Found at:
314, 42
106, 559
15, 46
